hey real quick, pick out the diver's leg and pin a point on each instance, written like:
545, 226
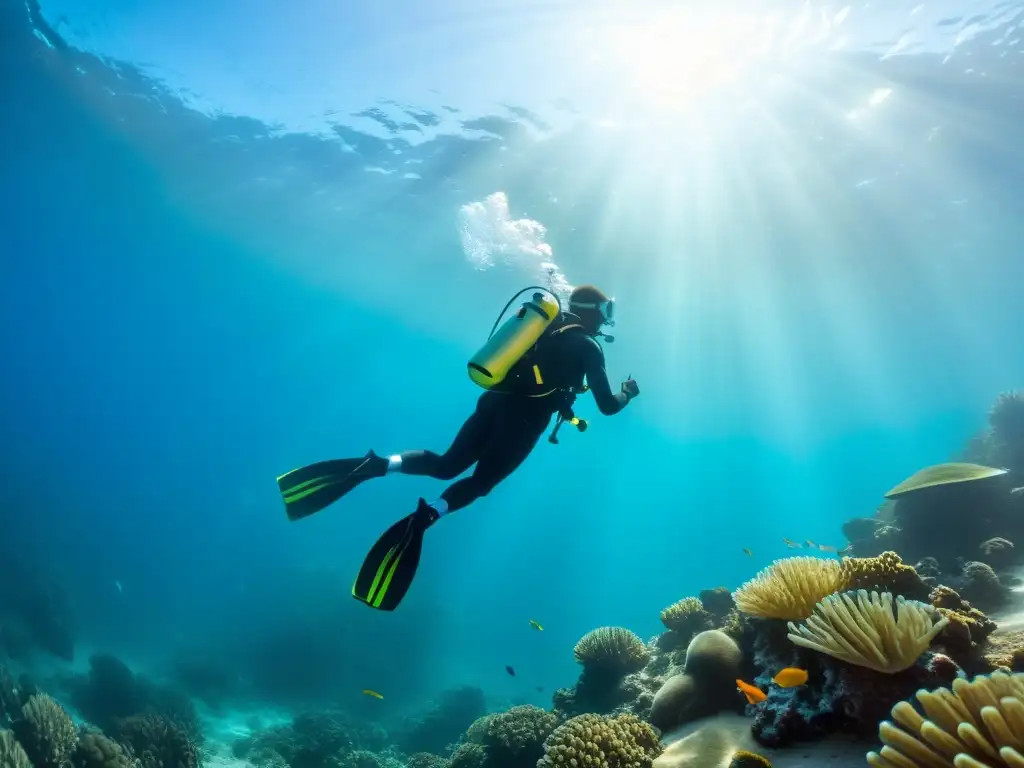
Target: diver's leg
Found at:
464, 451
504, 452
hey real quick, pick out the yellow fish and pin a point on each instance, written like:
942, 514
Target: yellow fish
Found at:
375, 695
747, 552
536, 625
754, 695
790, 677
792, 544
826, 548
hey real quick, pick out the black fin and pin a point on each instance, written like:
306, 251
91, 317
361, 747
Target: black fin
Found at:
309, 489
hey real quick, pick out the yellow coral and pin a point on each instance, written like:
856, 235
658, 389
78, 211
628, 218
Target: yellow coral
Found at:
519, 733
863, 629
744, 759
596, 741
687, 616
611, 650
789, 588
974, 725
885, 573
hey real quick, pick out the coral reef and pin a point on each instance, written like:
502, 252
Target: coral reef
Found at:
718, 603
974, 724
111, 692
597, 741
706, 684
885, 573
980, 585
35, 607
444, 723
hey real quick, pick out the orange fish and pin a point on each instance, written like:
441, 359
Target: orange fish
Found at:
754, 695
790, 677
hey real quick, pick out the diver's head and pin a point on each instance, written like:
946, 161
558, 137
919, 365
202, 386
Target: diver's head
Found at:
593, 308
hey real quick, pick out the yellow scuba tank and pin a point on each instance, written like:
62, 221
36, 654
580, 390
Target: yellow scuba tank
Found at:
506, 345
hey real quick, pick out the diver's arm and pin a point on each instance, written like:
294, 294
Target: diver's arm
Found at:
608, 402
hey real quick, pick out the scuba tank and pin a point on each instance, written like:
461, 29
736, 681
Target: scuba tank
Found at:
505, 346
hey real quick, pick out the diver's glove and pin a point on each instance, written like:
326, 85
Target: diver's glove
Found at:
630, 388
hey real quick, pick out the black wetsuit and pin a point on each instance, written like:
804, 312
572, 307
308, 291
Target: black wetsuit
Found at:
504, 428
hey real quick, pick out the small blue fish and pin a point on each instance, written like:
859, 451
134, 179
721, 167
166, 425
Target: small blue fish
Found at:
510, 671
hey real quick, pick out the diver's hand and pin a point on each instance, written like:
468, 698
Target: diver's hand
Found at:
630, 388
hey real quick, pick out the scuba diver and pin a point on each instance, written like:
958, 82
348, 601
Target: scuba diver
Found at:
533, 367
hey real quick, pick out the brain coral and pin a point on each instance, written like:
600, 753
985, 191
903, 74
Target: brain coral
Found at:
789, 588
611, 650
595, 741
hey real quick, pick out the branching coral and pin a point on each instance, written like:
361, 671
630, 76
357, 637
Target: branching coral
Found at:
11, 753
863, 629
157, 742
612, 651
976, 724
46, 732
686, 618
594, 741
789, 588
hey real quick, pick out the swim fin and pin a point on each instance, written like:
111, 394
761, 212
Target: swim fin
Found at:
390, 566
307, 490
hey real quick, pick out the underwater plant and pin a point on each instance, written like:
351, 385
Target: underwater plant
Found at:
12, 755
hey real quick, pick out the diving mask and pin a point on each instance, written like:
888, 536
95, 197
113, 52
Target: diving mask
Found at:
606, 308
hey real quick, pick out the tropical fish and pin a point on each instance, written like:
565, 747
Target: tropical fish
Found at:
536, 625
374, 694
754, 695
792, 544
510, 671
790, 677
747, 552
826, 548
540, 689
810, 544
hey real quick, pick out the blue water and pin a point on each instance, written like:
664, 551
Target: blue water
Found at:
206, 283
